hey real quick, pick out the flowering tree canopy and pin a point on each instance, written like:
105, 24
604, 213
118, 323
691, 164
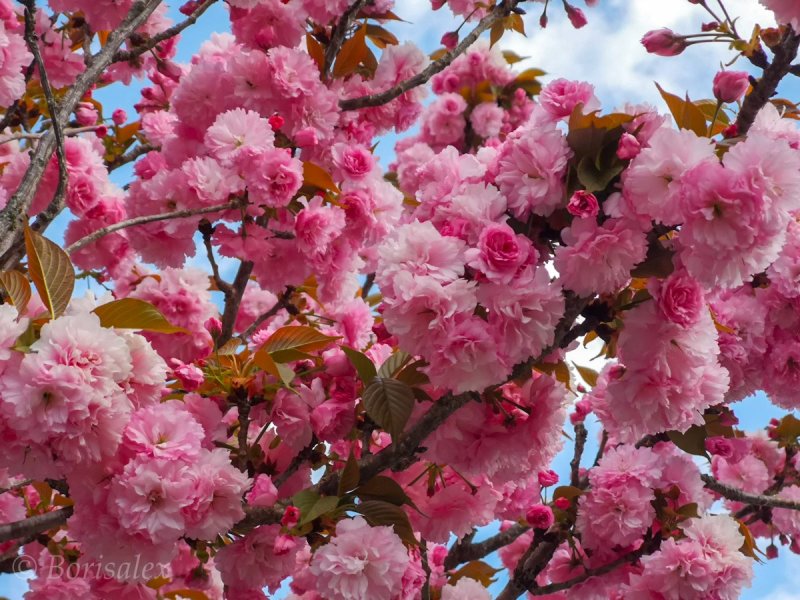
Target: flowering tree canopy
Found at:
378, 362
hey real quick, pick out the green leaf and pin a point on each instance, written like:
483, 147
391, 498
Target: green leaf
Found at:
132, 313
17, 288
323, 505
389, 403
294, 342
383, 488
686, 114
411, 375
304, 500
351, 474
362, 364
392, 365
51, 271
379, 513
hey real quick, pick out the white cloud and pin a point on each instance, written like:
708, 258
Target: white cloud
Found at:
608, 53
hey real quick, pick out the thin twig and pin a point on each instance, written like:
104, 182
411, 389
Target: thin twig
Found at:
70, 131
732, 493
176, 214
206, 231
338, 35
281, 303
368, 283
500, 11
130, 156
623, 560
150, 43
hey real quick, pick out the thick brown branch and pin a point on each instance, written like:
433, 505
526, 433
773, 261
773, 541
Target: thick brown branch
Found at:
530, 565
732, 493
32, 40
765, 88
34, 525
176, 214
232, 301
14, 215
154, 41
497, 13
465, 552
575, 464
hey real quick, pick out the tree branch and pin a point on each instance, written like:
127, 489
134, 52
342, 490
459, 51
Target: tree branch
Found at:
32, 40
500, 11
150, 43
465, 552
732, 493
34, 525
130, 156
71, 131
338, 35
281, 303
765, 88
575, 464
232, 301
530, 565
623, 560
176, 214
15, 213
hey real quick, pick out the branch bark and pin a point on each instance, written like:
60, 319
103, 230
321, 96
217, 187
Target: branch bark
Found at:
154, 41
338, 35
466, 552
500, 11
732, 493
765, 88
34, 525
15, 214
176, 214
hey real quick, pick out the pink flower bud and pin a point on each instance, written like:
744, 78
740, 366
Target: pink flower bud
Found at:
772, 551
540, 517
101, 132
547, 478
576, 16
562, 503
543, 21
189, 7
591, 3
213, 325
629, 147
731, 131
291, 516
276, 122
730, 86
86, 114
583, 204
710, 26
664, 42
450, 40
119, 117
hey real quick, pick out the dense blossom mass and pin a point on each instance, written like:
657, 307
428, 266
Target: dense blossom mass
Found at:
298, 369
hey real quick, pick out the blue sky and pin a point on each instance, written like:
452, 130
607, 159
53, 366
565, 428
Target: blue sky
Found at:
605, 53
